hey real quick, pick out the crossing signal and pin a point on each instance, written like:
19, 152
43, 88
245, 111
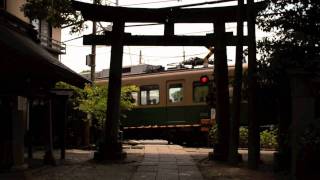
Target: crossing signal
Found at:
204, 80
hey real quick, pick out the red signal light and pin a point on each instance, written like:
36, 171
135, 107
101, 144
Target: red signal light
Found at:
204, 79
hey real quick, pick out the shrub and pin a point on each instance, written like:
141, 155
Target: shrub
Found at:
243, 137
268, 138
213, 135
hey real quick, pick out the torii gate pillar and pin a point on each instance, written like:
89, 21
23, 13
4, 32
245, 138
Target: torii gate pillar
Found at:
222, 95
111, 148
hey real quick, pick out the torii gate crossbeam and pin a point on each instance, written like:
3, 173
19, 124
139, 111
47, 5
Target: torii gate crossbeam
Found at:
95, 12
135, 40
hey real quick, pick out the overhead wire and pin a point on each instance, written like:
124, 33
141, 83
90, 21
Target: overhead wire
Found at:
188, 5
134, 25
152, 2
199, 4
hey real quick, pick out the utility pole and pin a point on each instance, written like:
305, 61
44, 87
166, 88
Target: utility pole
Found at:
184, 55
140, 57
93, 50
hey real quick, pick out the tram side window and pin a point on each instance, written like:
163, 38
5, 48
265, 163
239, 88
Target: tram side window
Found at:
200, 92
175, 93
134, 96
149, 95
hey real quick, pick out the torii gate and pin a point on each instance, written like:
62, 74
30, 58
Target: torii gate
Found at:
169, 16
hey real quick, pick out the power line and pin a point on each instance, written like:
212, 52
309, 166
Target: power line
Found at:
110, 2
162, 57
153, 2
134, 25
199, 4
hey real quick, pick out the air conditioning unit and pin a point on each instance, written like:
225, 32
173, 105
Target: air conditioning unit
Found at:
89, 58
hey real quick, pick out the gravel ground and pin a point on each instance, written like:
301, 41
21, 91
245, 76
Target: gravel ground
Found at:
212, 170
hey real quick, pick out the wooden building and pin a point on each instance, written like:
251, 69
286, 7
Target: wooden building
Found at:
29, 70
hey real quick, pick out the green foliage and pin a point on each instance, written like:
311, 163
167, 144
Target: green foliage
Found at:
243, 137
296, 28
213, 135
93, 100
268, 138
56, 12
77, 92
127, 101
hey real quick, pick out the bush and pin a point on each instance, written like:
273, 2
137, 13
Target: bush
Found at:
268, 138
213, 135
243, 137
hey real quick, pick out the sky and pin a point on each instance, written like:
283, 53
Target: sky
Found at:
155, 55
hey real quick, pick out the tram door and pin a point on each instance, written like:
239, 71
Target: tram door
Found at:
174, 102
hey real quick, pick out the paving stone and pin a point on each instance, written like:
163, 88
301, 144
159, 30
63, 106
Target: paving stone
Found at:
147, 163
145, 168
161, 162
183, 168
151, 159
167, 175
168, 159
166, 162
189, 163
144, 175
168, 166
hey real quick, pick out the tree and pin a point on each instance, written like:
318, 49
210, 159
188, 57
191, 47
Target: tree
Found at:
57, 13
93, 100
295, 25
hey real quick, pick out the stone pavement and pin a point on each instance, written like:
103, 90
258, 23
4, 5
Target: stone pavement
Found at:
145, 161
166, 162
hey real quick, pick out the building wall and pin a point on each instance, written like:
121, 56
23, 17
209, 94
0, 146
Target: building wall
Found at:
14, 8
56, 34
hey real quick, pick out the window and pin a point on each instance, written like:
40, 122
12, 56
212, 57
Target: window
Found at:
36, 24
126, 70
175, 93
2, 4
200, 92
149, 95
134, 96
